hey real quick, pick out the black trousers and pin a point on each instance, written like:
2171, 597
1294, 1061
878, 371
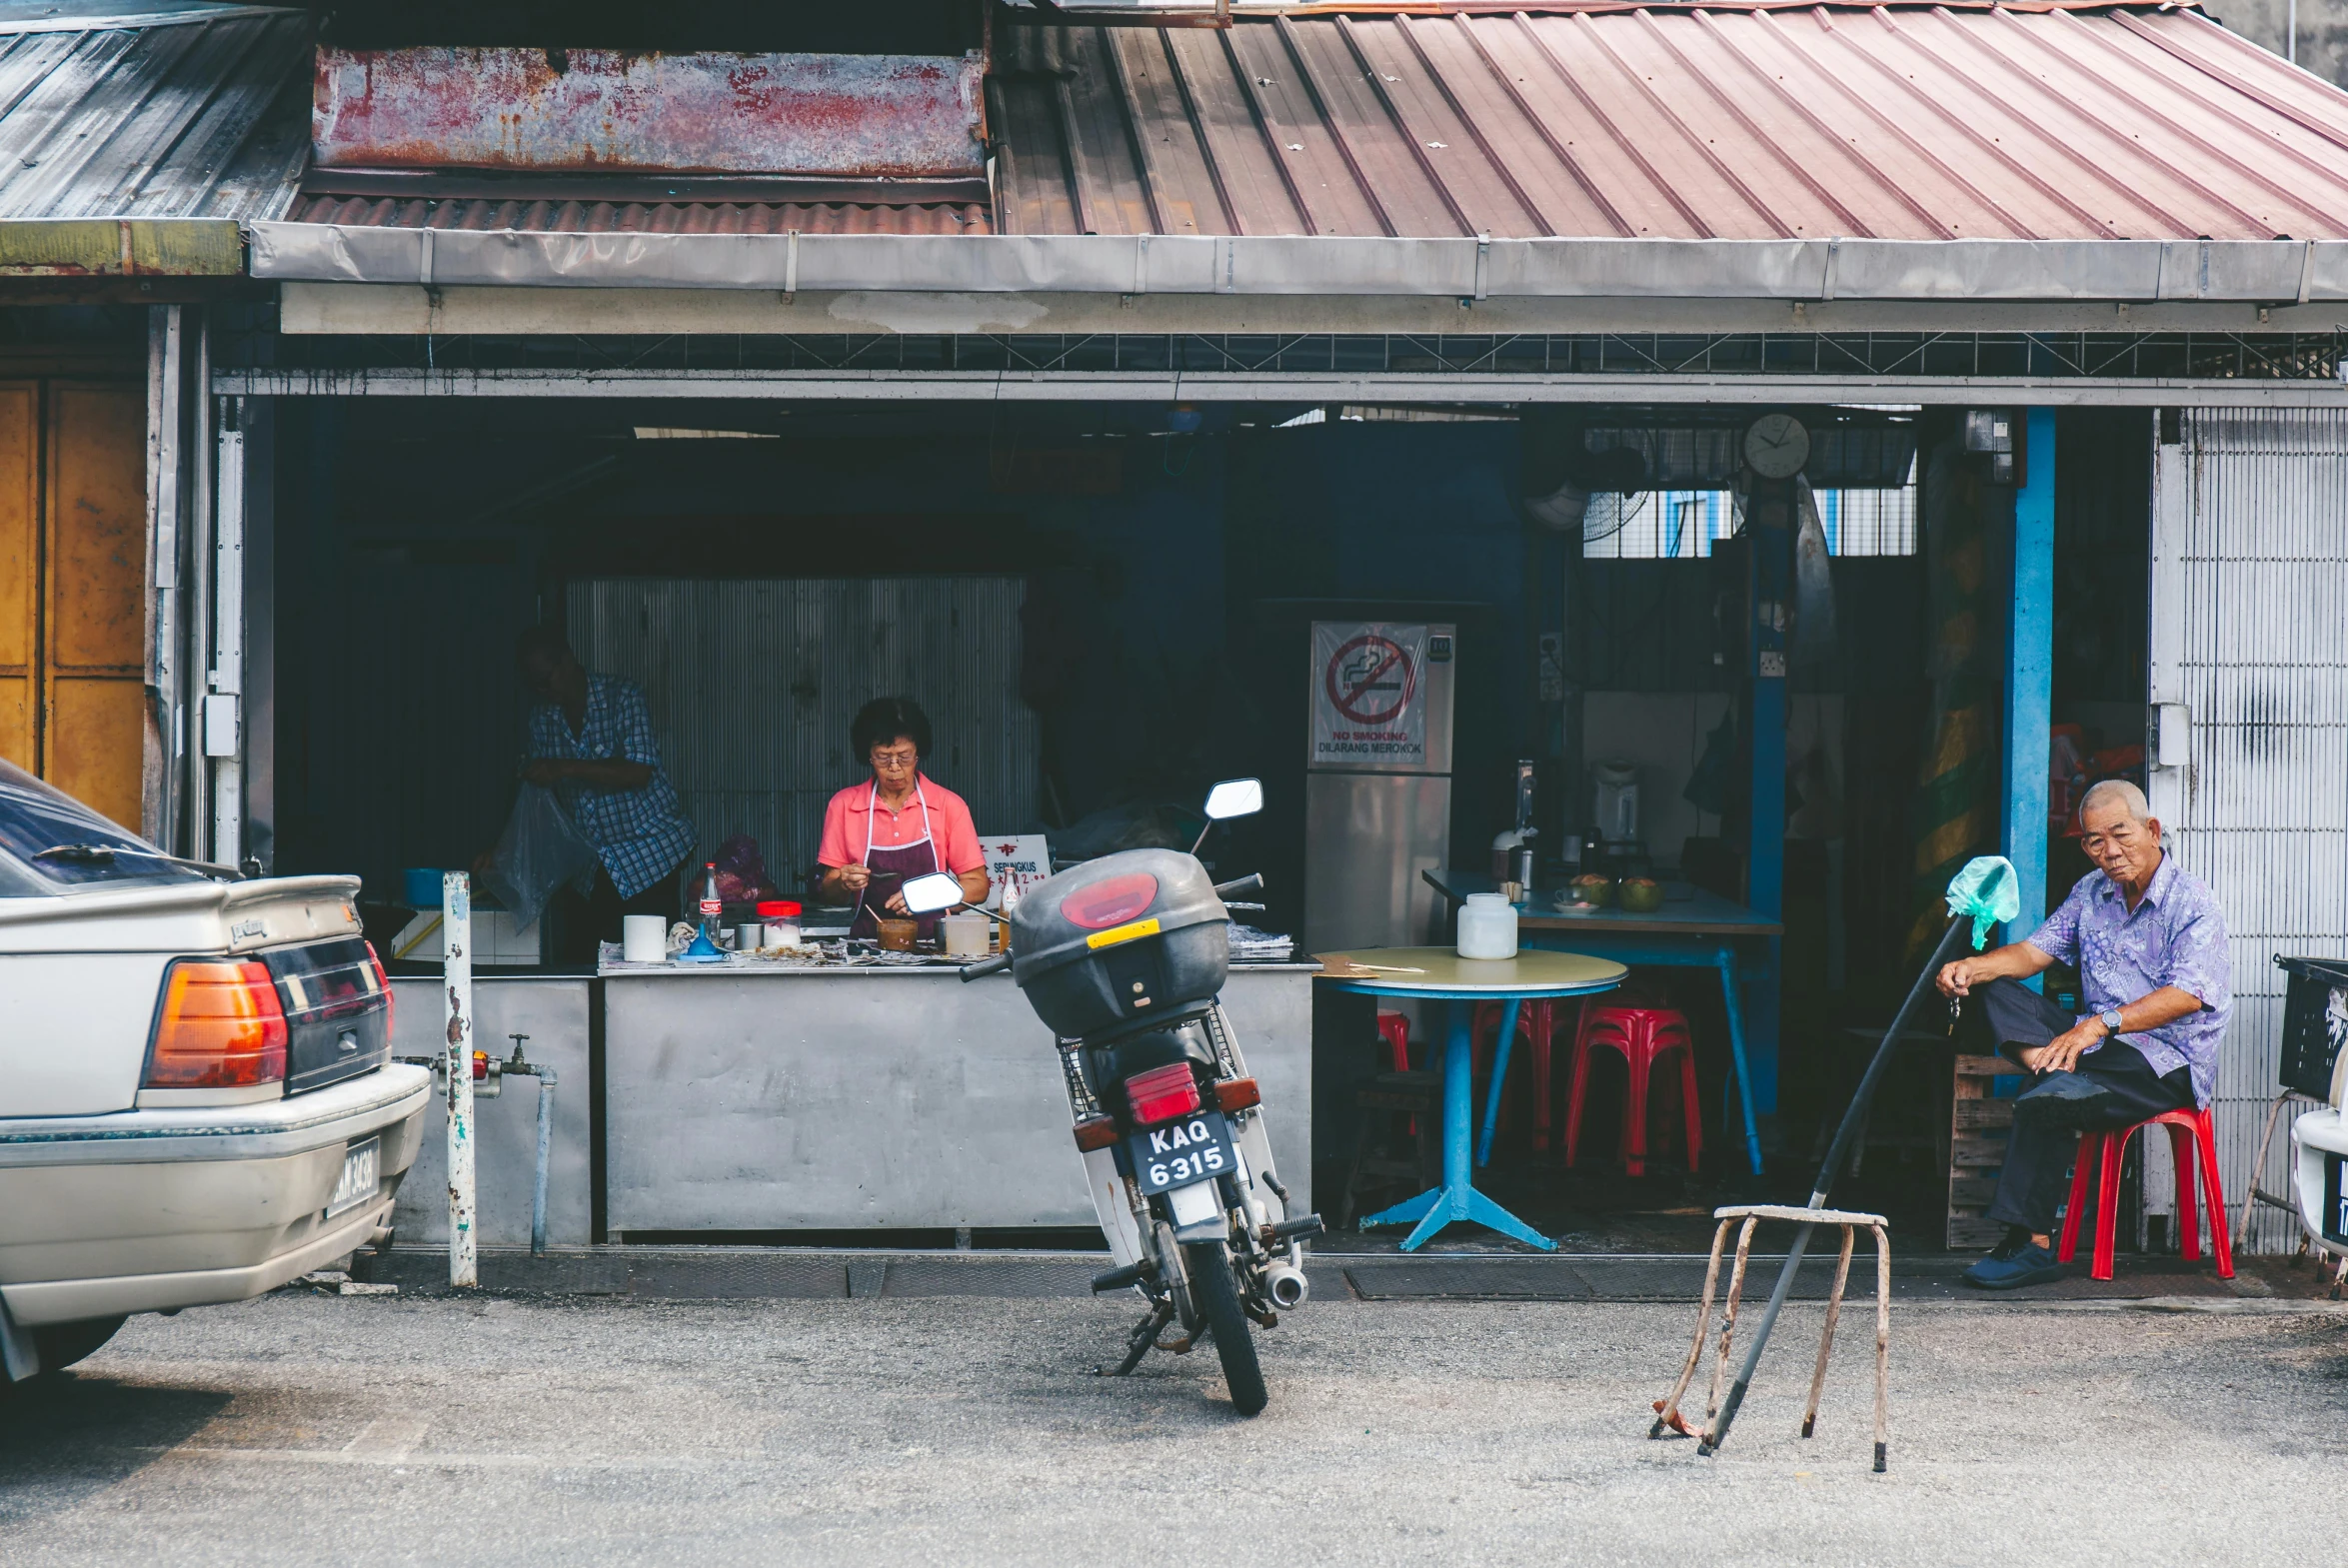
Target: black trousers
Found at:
580, 922
2113, 1087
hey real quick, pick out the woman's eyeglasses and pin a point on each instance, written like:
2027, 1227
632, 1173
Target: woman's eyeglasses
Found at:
894, 762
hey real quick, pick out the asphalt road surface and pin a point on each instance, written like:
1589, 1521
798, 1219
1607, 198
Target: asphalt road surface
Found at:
307, 1429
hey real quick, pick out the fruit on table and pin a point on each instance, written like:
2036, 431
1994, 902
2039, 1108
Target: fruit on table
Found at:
1593, 889
1642, 895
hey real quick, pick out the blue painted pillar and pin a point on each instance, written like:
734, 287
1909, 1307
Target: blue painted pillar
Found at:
2029, 673
1772, 524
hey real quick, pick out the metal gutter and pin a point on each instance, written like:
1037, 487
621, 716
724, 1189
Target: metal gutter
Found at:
2253, 271
121, 247
1284, 386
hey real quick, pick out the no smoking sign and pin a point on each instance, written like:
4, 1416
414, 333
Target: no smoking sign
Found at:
1370, 680
1369, 693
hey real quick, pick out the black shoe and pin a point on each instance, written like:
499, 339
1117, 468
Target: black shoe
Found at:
2028, 1264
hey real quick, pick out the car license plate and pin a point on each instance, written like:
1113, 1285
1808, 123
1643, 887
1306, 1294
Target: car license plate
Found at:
2335, 1210
1176, 1153
362, 1175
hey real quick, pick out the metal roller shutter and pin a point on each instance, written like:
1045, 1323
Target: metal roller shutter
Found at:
2249, 682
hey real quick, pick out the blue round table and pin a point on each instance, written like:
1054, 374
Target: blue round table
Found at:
1441, 974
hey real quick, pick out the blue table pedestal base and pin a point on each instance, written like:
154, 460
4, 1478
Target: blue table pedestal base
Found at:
1458, 1198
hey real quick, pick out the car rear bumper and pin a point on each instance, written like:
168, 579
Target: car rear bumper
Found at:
140, 1210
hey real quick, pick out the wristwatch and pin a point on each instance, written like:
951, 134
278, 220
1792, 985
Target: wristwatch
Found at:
2110, 1019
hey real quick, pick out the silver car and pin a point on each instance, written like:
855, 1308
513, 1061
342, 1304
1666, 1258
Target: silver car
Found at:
197, 1100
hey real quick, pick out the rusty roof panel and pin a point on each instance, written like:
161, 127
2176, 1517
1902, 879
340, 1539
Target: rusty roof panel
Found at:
195, 113
557, 215
603, 109
1760, 121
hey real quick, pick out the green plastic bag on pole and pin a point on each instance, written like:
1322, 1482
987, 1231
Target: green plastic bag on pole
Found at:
1988, 891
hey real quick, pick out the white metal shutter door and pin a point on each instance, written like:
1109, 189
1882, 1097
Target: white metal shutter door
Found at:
2250, 680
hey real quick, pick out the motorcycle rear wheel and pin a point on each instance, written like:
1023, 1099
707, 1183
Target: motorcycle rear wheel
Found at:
1217, 1296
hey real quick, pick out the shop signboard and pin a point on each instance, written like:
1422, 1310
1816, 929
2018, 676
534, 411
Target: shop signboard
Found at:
1369, 693
1020, 859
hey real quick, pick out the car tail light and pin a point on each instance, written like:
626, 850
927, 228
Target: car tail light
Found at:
1095, 1132
220, 1027
1163, 1093
383, 982
1110, 903
1232, 1094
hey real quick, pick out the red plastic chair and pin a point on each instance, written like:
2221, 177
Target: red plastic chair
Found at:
2192, 1139
1537, 1029
1642, 1036
1396, 1027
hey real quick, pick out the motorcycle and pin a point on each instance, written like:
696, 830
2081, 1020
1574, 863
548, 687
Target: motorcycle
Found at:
1123, 958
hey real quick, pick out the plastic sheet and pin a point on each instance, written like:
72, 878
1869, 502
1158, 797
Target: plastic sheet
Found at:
540, 849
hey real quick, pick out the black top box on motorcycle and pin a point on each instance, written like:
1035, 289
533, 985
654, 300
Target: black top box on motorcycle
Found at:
1122, 940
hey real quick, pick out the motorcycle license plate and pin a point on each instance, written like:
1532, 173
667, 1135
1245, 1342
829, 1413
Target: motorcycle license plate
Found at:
1176, 1153
2335, 1210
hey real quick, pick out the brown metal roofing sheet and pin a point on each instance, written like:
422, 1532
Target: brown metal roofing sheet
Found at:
1752, 121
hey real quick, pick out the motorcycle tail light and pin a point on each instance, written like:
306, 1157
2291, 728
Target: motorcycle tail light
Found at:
1095, 1132
1163, 1093
220, 1027
1232, 1094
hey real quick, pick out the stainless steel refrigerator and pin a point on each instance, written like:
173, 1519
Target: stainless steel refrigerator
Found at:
1377, 782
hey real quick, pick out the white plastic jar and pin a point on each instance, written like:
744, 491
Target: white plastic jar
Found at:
1487, 927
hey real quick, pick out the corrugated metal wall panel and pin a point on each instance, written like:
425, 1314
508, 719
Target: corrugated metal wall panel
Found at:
751, 685
2262, 666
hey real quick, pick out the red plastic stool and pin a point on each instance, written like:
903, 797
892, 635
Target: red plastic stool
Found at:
1396, 1027
2191, 1139
1644, 1037
1537, 1027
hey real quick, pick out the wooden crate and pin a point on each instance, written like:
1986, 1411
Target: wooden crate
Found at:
1977, 1124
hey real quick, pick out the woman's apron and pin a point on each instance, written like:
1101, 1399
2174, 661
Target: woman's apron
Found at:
906, 860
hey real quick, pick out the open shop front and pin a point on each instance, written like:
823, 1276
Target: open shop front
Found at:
1209, 362
1102, 608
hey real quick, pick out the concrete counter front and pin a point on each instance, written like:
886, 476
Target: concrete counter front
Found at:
773, 1100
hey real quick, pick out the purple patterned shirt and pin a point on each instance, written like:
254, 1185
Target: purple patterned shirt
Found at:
2175, 937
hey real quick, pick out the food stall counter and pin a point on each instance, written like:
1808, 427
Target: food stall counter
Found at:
775, 1095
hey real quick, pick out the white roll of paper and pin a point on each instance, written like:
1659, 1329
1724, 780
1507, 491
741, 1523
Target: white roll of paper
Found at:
643, 939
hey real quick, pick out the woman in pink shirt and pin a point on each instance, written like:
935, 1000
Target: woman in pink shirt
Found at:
897, 825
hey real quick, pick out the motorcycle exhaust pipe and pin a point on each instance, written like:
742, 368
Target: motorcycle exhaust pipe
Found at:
1285, 1284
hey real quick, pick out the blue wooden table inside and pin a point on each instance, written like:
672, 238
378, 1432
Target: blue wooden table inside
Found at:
1697, 930
1441, 974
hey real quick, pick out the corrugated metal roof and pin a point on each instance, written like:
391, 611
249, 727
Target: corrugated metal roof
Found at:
557, 215
197, 113
1769, 121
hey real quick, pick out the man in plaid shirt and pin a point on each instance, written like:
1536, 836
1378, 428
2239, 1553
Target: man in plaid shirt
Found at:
591, 741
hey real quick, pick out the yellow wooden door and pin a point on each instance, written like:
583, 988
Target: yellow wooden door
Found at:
94, 614
20, 571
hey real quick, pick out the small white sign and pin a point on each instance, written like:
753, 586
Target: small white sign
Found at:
1022, 858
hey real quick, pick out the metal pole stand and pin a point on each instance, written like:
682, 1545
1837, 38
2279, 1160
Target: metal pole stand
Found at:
1668, 1416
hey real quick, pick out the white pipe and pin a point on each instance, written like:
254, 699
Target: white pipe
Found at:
223, 709
456, 908
546, 1126
197, 785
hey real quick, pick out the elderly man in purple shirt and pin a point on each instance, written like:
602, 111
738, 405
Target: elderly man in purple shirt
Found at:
2150, 948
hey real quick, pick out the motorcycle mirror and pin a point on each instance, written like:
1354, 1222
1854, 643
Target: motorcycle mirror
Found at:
1234, 798
928, 894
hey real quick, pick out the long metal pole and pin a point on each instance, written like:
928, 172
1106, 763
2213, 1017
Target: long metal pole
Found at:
1851, 1121
196, 785
456, 929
